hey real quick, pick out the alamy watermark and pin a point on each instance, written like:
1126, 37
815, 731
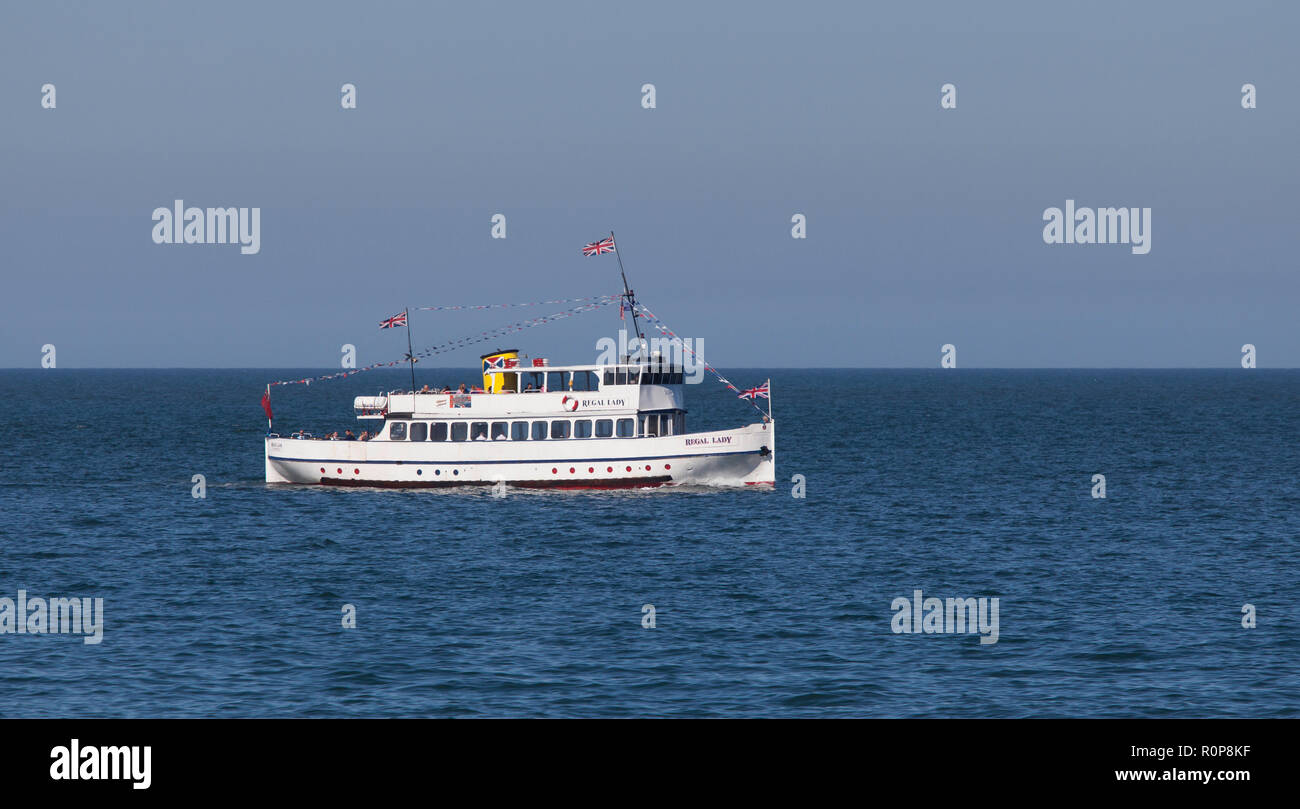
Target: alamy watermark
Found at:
682, 353
934, 616
74, 762
181, 225
1102, 226
56, 616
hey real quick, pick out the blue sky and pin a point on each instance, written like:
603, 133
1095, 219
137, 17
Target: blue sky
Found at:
924, 224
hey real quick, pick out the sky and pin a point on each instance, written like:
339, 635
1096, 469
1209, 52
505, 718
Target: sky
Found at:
924, 225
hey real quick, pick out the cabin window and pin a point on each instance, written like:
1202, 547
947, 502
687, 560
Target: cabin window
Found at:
609, 377
419, 431
477, 430
539, 430
665, 425
555, 381
582, 428
500, 429
646, 429
620, 376
604, 428
585, 380
438, 431
518, 431
559, 429
397, 431
459, 430
679, 423
531, 379
633, 376
626, 428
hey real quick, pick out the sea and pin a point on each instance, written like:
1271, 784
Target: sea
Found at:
1174, 595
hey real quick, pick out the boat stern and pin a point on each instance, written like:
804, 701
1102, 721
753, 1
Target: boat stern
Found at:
273, 443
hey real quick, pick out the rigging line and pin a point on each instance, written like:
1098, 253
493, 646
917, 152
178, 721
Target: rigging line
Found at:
653, 320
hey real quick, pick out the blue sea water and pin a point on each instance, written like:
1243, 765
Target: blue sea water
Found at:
962, 483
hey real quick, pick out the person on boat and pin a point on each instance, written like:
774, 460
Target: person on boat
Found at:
365, 435
528, 388
348, 436
446, 388
424, 389
461, 389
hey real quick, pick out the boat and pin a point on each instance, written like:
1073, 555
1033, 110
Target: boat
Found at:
532, 424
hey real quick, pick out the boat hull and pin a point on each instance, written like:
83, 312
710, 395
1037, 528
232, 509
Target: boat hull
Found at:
740, 457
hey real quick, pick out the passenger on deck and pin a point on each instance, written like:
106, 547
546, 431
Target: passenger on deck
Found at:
365, 435
528, 388
461, 389
348, 436
446, 388
424, 389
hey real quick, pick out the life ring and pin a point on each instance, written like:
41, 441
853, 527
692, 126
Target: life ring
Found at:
569, 403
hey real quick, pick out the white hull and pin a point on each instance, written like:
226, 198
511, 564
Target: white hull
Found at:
740, 457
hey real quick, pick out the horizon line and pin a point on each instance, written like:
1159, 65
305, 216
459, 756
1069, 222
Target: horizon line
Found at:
733, 367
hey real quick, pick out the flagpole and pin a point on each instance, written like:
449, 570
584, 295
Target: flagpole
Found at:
268, 402
627, 291
410, 354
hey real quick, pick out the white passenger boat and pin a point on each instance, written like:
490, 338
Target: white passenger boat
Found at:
532, 424
537, 426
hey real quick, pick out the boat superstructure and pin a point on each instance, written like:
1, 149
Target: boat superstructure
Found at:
535, 425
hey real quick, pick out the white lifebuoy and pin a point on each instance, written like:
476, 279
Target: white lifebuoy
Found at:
569, 403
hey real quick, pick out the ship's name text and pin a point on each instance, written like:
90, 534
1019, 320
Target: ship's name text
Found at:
717, 439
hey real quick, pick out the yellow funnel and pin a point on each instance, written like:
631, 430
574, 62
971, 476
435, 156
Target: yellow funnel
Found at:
496, 377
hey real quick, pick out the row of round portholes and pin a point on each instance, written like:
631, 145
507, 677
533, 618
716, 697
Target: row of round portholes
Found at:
592, 469
554, 471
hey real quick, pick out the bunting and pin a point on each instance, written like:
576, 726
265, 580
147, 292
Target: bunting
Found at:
452, 345
471, 307
663, 329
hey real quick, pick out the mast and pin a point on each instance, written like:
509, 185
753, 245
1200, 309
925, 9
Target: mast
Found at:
628, 294
410, 354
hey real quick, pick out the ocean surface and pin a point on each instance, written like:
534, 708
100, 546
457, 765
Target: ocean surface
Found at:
960, 483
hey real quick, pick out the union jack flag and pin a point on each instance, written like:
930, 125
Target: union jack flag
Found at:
602, 246
761, 392
494, 362
395, 320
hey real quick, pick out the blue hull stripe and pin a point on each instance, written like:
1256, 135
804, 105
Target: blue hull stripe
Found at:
559, 460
